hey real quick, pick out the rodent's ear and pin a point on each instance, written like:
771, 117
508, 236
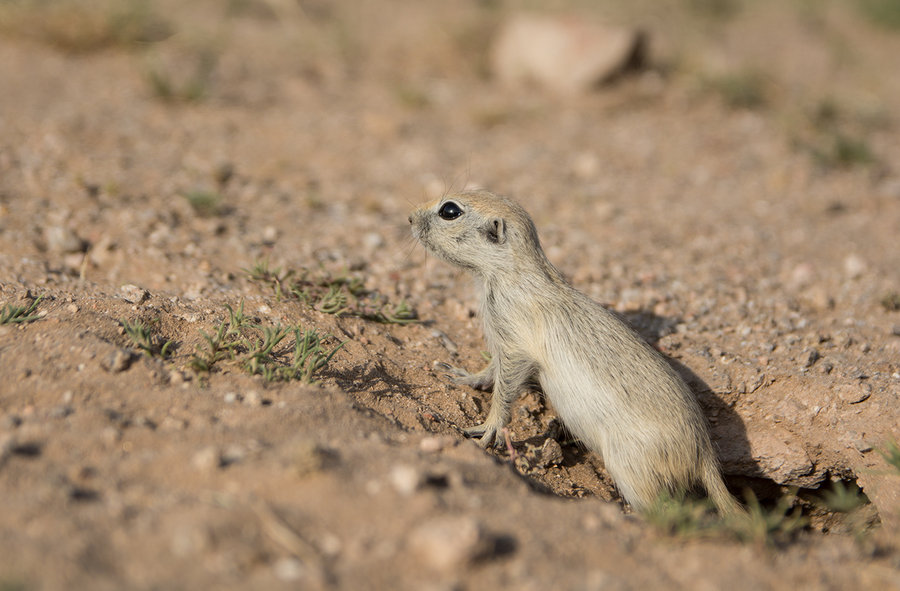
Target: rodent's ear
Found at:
496, 231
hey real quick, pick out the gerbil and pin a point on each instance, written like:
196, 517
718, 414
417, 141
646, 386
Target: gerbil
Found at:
610, 388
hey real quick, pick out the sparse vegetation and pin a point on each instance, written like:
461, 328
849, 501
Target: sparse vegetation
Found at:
677, 515
258, 349
142, 337
835, 136
843, 498
10, 314
342, 296
891, 454
205, 203
719, 9
81, 26
885, 13
186, 79
682, 516
843, 151
744, 89
764, 526
891, 301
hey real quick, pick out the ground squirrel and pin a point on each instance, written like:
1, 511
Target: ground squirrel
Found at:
610, 388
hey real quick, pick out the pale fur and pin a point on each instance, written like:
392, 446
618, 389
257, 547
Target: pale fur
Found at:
610, 388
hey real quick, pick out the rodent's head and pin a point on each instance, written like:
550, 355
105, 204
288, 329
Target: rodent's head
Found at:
478, 231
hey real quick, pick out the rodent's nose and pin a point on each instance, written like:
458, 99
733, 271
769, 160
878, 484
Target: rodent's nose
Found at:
410, 219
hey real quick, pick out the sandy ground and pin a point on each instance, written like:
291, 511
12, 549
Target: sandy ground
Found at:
737, 200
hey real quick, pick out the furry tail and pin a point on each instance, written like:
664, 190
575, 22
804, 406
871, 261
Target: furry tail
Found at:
715, 487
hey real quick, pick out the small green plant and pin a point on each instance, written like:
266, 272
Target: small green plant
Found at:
764, 526
20, 314
81, 26
186, 79
342, 296
677, 515
745, 89
843, 498
885, 13
260, 350
205, 203
891, 301
843, 151
142, 337
891, 454
718, 9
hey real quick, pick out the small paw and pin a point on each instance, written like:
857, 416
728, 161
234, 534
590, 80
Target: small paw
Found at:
486, 435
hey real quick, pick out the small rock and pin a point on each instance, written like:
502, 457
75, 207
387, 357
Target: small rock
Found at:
551, 453
373, 240
270, 234
289, 569
405, 479
566, 55
10, 422
62, 240
434, 444
134, 294
853, 393
253, 398
176, 377
447, 543
810, 357
308, 457
60, 412
117, 361
231, 397
207, 459
854, 266
232, 454
862, 446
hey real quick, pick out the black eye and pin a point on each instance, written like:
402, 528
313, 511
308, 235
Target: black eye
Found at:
450, 211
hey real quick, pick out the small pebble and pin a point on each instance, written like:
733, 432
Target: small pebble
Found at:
551, 453
405, 479
232, 454
854, 266
117, 361
289, 569
853, 393
448, 543
434, 444
207, 459
810, 357
60, 412
10, 421
134, 294
62, 239
230, 397
253, 398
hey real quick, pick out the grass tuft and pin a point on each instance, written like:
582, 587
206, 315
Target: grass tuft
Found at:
745, 89
82, 26
344, 295
261, 350
891, 454
142, 337
677, 515
10, 314
205, 203
885, 13
764, 526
